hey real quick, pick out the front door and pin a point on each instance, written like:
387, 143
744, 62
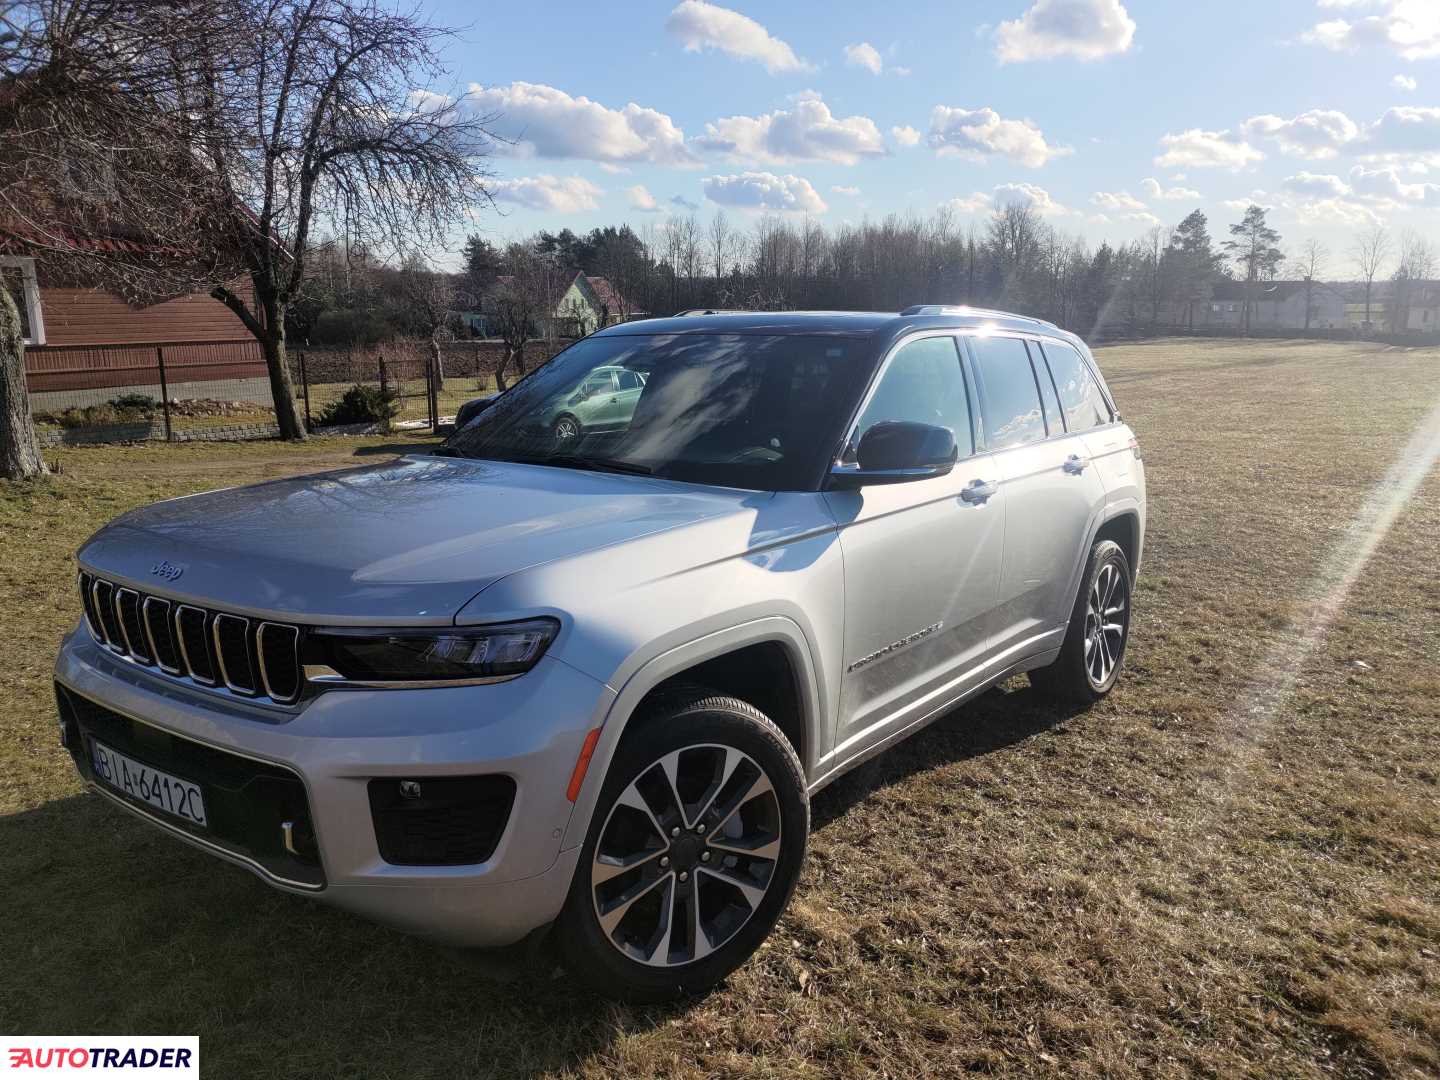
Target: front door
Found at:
921, 559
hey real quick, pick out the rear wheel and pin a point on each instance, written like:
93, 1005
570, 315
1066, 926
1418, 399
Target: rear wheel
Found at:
693, 851
1090, 660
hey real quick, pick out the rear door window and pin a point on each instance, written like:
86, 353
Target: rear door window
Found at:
1080, 397
1009, 399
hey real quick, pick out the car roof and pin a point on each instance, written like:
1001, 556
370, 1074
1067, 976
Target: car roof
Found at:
877, 324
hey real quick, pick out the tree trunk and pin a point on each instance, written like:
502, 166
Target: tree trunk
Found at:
500, 386
437, 360
20, 457
277, 364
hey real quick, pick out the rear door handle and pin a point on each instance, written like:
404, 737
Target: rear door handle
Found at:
977, 491
1075, 464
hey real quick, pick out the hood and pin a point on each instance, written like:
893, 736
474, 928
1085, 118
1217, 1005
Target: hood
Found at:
406, 542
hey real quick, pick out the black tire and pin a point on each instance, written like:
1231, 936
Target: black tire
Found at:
1073, 676
699, 723
567, 428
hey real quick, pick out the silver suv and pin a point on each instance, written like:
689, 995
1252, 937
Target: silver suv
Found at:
589, 682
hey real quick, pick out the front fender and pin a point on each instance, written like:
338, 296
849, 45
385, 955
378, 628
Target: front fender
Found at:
653, 672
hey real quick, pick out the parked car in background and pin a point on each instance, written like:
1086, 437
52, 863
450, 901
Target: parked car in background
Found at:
587, 679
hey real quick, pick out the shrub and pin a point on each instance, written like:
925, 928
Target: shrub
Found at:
362, 404
137, 403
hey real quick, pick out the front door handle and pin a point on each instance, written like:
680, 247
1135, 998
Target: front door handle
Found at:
1075, 464
977, 491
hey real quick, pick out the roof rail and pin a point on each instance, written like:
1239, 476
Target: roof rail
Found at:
964, 309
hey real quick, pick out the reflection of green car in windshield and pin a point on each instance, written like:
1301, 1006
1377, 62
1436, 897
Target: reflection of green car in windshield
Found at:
605, 401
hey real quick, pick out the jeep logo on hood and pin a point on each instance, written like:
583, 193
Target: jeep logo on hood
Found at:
167, 570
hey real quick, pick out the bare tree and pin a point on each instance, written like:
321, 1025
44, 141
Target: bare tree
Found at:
1416, 265
96, 182
313, 111
521, 304
1310, 266
431, 299
721, 240
1370, 252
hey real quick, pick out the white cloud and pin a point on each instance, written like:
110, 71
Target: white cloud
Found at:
807, 131
1405, 129
700, 25
1410, 28
865, 55
1157, 190
1405, 82
764, 191
903, 72
1308, 183
1082, 29
977, 133
556, 194
641, 199
1117, 200
1037, 198
548, 123
845, 189
978, 202
1385, 184
905, 135
1319, 133
1199, 149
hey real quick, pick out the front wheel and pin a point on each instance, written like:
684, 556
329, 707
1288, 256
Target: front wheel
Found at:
693, 851
1094, 648
567, 429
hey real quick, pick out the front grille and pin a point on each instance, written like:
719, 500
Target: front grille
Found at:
449, 821
256, 659
248, 803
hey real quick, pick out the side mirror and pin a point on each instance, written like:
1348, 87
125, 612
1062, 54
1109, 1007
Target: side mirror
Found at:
896, 452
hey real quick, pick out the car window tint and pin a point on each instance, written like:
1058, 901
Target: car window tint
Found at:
1010, 401
1085, 406
1047, 390
923, 383
629, 381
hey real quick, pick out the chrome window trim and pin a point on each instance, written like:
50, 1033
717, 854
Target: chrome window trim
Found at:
180, 609
234, 687
265, 675
125, 630
150, 633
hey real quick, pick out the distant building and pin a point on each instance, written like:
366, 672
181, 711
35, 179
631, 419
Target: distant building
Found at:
1274, 305
590, 303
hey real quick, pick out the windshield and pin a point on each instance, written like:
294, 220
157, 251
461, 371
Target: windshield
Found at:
759, 412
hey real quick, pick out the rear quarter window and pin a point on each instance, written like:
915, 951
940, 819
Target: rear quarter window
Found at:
1084, 405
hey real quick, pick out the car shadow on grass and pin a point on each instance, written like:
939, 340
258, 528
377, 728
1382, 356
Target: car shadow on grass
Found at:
998, 719
395, 449
120, 929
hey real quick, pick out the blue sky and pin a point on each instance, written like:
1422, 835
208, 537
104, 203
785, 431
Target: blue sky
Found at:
1110, 116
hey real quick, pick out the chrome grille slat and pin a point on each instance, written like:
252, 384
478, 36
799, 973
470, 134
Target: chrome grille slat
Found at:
132, 629
200, 667
280, 681
232, 632
155, 614
104, 594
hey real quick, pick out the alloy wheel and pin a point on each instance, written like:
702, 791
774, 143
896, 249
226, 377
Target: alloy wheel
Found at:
1105, 623
566, 429
686, 855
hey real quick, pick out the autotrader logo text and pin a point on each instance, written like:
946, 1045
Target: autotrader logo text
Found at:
168, 1056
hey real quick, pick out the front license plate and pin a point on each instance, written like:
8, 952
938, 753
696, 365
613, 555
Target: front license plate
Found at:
177, 797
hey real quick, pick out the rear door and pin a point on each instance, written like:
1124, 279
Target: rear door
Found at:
1052, 494
921, 559
1089, 416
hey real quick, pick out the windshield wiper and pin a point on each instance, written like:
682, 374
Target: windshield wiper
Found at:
600, 464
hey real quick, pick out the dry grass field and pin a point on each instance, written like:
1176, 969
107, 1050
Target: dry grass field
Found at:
1231, 868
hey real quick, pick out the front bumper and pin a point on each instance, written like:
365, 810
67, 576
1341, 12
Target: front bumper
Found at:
529, 729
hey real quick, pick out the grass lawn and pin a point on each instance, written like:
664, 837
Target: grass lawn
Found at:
1231, 867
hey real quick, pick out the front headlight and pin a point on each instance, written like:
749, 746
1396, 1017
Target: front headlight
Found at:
427, 655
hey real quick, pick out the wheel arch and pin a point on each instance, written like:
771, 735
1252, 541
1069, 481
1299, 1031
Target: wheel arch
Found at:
772, 637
